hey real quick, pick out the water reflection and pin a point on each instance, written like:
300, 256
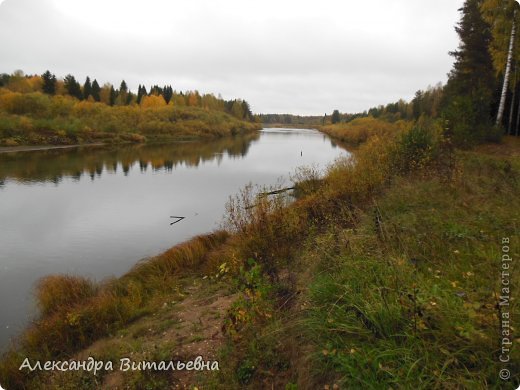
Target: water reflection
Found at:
54, 164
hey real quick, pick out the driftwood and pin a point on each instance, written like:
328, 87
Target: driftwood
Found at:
264, 194
178, 219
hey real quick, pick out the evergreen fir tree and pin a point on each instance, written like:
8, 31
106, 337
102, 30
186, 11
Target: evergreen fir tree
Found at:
469, 92
96, 90
473, 68
49, 83
246, 109
141, 91
335, 117
167, 93
73, 87
122, 94
113, 96
87, 88
123, 88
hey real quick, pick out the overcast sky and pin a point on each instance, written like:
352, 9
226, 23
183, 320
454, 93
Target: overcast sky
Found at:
283, 56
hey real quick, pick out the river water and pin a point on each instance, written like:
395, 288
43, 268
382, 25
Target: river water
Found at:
96, 211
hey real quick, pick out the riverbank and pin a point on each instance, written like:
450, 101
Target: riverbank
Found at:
93, 123
378, 275
12, 149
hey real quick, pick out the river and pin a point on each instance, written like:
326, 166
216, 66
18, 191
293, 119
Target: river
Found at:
95, 211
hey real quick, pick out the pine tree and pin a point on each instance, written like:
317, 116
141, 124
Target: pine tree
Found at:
123, 88
96, 91
73, 87
122, 94
335, 117
141, 91
113, 96
246, 109
49, 83
167, 93
471, 83
87, 88
473, 67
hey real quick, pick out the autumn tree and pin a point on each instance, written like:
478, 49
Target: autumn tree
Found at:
502, 16
153, 101
122, 95
178, 99
104, 94
237, 110
18, 82
193, 99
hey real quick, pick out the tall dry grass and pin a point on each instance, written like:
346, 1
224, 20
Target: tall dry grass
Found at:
75, 311
360, 130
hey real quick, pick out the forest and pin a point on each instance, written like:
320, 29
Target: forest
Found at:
45, 110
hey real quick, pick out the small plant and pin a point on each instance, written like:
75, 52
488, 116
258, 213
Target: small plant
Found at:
245, 372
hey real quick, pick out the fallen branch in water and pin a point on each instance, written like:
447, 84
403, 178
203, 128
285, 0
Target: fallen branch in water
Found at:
178, 219
263, 194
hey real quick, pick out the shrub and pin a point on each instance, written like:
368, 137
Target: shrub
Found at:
418, 147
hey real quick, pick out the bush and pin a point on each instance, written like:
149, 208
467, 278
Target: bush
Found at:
419, 147
468, 122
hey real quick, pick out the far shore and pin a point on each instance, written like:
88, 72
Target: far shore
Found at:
29, 148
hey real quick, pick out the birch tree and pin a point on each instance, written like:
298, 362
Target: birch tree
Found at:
507, 74
501, 16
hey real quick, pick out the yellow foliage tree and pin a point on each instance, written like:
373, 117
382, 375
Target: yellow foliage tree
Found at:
153, 101
193, 99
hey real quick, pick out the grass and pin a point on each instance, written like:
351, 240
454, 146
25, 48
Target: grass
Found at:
382, 274
360, 130
39, 119
397, 276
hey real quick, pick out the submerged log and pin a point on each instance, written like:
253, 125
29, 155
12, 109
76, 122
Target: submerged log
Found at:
263, 194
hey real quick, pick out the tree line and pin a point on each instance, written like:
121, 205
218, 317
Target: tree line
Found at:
481, 99
90, 90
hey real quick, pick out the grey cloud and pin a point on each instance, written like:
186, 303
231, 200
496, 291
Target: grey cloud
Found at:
280, 61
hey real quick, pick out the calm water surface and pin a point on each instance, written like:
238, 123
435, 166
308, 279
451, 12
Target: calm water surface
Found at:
96, 211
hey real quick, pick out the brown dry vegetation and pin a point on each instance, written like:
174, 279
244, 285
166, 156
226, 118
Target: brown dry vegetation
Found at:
379, 275
39, 119
360, 130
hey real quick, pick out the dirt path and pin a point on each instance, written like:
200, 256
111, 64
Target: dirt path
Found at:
185, 325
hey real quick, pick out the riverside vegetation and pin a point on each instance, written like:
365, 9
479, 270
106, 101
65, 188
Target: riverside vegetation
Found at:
383, 273
40, 110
